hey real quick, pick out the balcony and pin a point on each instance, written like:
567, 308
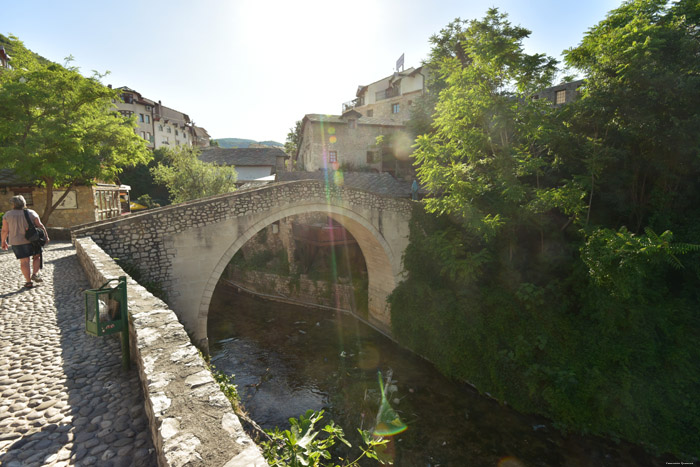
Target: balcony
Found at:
386, 94
353, 103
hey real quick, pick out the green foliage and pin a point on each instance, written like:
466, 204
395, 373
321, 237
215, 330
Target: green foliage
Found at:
60, 128
227, 386
618, 261
188, 178
141, 181
536, 272
291, 145
638, 107
146, 200
303, 445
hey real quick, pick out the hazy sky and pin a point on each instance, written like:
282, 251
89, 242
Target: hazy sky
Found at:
251, 68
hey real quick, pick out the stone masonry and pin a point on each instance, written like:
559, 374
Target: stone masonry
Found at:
191, 422
65, 398
186, 247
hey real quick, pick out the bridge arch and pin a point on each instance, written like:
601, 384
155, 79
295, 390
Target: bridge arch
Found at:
185, 248
382, 262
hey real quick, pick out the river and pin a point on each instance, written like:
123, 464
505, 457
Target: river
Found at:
288, 359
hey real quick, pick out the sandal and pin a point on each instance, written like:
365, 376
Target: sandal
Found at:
28, 285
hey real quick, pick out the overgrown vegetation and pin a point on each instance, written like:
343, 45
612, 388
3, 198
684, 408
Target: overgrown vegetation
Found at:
60, 129
557, 265
304, 445
187, 178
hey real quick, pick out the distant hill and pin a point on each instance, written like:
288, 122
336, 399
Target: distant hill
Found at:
246, 143
5, 42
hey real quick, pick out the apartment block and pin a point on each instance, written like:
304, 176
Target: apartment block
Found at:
159, 125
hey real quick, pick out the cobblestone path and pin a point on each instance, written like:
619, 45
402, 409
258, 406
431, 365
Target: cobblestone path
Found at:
64, 397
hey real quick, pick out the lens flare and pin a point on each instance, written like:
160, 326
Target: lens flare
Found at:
388, 421
332, 139
338, 178
331, 130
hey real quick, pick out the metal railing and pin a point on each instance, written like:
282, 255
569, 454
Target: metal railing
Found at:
386, 94
353, 103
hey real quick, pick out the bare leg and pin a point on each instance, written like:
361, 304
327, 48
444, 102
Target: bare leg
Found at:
24, 266
36, 264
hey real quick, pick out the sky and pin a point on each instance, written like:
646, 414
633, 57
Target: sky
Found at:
252, 68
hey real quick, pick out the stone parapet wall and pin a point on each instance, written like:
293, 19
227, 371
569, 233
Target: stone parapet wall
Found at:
142, 239
191, 421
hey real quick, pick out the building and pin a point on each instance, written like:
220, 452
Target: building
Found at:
561, 94
390, 97
348, 141
253, 165
4, 58
135, 104
172, 128
370, 134
159, 125
201, 137
83, 204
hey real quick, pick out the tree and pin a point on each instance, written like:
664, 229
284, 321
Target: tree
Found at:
60, 128
291, 145
141, 180
187, 177
637, 120
485, 156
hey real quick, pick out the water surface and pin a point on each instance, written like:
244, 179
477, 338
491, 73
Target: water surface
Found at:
288, 359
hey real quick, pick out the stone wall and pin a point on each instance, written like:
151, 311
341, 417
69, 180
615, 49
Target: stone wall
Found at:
191, 421
85, 211
304, 291
185, 247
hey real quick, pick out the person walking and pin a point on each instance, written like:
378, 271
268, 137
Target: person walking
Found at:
14, 226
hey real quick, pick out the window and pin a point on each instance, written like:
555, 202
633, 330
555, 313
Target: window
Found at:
141, 118
332, 156
143, 134
165, 140
148, 119
128, 98
560, 97
395, 108
352, 123
370, 113
149, 137
177, 133
167, 128
148, 107
160, 127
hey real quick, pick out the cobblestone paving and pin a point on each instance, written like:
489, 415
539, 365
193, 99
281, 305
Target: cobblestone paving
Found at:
64, 397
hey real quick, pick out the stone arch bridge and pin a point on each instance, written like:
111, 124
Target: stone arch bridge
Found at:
185, 247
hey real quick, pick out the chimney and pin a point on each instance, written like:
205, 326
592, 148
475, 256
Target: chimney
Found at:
109, 86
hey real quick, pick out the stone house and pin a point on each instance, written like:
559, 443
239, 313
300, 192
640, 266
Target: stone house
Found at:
349, 141
201, 137
252, 164
561, 94
390, 97
83, 204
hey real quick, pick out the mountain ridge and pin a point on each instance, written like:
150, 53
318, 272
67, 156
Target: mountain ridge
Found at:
246, 143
